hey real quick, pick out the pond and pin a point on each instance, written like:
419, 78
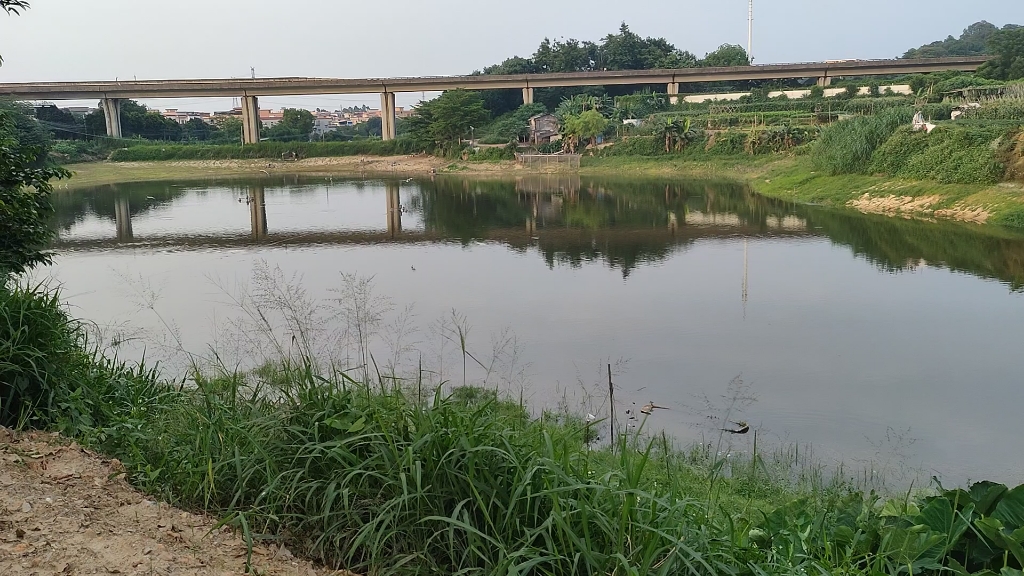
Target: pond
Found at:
892, 346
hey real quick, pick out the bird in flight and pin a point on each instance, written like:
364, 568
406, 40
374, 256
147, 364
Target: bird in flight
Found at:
742, 428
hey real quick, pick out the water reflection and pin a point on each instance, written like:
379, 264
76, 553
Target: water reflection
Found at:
568, 219
692, 282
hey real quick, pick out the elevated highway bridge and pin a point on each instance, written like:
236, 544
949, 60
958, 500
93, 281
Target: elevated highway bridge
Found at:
249, 90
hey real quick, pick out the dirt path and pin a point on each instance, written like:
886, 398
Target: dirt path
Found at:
66, 511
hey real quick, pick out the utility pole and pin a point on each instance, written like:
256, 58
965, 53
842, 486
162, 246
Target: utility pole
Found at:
750, 30
252, 69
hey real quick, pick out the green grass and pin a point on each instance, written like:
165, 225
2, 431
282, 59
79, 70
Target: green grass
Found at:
392, 476
156, 151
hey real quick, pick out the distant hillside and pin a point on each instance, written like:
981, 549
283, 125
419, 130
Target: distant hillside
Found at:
973, 42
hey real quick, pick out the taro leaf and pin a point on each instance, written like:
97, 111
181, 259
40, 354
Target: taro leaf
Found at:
899, 509
985, 496
940, 517
1010, 510
913, 546
992, 528
1010, 572
956, 568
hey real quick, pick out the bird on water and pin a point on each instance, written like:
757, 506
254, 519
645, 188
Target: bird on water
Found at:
741, 428
651, 407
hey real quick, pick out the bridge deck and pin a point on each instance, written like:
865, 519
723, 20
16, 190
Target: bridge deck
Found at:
293, 86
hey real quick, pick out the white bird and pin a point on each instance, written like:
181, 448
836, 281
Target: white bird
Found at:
591, 417
407, 180
413, 268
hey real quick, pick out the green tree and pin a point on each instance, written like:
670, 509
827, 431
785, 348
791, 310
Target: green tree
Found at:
25, 207
295, 125
441, 123
586, 126
12, 7
136, 121
974, 41
1007, 63
726, 55
196, 129
228, 130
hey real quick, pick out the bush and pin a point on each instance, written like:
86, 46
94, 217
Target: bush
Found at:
956, 156
152, 152
637, 146
890, 158
847, 146
949, 155
728, 143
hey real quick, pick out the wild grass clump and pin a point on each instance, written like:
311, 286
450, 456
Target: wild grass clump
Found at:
847, 146
948, 155
270, 150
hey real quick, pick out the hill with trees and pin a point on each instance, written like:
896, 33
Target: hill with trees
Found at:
974, 41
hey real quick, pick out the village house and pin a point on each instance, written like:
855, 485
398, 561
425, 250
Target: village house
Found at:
544, 128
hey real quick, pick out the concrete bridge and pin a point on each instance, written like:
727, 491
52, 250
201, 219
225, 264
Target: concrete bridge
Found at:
112, 93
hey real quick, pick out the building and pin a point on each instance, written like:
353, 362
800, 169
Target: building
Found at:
270, 118
183, 117
544, 128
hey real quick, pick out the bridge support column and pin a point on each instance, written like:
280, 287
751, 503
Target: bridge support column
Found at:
123, 219
527, 95
394, 207
112, 114
825, 81
250, 120
387, 115
673, 93
258, 212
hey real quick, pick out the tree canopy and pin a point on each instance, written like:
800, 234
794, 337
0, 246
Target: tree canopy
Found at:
442, 122
625, 50
295, 125
25, 207
136, 120
1007, 49
726, 55
974, 41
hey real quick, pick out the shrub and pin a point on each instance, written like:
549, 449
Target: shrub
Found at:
151, 152
890, 158
637, 146
846, 147
728, 142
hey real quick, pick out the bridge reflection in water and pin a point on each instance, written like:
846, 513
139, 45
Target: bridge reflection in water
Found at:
567, 219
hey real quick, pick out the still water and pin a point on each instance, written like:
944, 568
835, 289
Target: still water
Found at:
882, 343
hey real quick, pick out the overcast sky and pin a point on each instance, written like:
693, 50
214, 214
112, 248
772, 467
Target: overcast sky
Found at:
106, 39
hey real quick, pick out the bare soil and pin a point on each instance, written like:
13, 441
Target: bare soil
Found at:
892, 205
67, 511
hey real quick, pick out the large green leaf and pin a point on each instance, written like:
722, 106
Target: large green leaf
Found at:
992, 528
986, 495
940, 517
1010, 509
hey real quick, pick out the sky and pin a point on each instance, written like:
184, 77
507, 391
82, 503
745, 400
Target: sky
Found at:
65, 40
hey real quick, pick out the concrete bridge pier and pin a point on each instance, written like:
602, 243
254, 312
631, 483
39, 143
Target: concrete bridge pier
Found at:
394, 207
250, 120
123, 219
825, 81
527, 95
112, 114
257, 212
387, 115
673, 93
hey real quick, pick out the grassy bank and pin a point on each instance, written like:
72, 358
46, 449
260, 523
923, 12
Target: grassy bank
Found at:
399, 476
795, 178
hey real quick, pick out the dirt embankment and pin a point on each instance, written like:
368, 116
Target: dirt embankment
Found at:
910, 206
66, 511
